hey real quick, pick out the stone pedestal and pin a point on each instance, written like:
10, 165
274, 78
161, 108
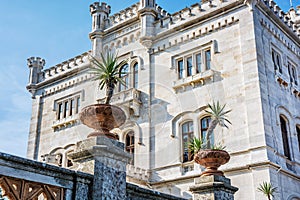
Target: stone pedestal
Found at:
213, 188
106, 159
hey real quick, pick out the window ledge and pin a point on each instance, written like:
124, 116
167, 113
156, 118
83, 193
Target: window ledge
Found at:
281, 79
194, 80
295, 89
65, 122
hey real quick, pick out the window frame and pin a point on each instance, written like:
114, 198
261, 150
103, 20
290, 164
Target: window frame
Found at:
202, 129
190, 134
285, 136
63, 107
135, 75
293, 72
130, 147
125, 76
276, 60
196, 66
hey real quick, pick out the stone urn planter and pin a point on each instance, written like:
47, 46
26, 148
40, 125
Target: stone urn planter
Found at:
103, 118
211, 160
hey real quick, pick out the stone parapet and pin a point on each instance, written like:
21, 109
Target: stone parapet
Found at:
109, 165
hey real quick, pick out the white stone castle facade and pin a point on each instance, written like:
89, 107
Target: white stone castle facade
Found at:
245, 53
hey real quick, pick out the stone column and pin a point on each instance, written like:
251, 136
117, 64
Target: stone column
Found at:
213, 188
106, 159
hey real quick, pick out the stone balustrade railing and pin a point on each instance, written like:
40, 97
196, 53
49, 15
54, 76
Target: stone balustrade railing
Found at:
137, 173
131, 94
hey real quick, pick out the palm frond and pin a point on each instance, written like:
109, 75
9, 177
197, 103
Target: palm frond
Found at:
194, 145
218, 116
107, 72
267, 189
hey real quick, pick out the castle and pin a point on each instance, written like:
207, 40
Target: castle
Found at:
245, 53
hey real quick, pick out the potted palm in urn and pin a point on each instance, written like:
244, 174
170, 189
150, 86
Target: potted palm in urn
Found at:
104, 117
205, 153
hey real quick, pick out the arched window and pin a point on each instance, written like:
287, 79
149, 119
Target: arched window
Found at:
187, 135
124, 74
204, 126
135, 75
129, 143
285, 141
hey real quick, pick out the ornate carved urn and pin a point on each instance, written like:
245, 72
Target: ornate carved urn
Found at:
103, 118
212, 160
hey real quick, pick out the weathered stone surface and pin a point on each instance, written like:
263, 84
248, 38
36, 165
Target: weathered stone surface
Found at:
78, 185
213, 188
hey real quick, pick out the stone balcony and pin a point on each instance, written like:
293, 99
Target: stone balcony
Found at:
129, 98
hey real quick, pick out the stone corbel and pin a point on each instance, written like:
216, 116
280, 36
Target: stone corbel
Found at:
250, 4
135, 106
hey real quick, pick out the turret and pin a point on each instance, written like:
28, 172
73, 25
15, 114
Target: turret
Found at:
148, 15
36, 65
148, 3
100, 13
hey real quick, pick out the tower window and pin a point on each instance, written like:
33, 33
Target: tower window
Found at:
189, 64
207, 59
129, 144
67, 107
180, 69
198, 63
194, 63
135, 75
124, 74
187, 135
285, 141
276, 58
292, 73
204, 127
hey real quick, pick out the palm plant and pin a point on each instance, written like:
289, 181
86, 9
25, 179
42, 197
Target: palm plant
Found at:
107, 72
218, 116
267, 189
194, 145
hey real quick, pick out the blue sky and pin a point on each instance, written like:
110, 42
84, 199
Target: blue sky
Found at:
55, 30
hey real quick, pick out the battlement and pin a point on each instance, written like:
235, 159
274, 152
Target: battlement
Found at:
65, 66
195, 11
36, 61
122, 16
284, 17
97, 7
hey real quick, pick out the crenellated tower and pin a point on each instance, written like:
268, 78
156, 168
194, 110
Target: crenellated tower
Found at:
100, 13
36, 65
148, 15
